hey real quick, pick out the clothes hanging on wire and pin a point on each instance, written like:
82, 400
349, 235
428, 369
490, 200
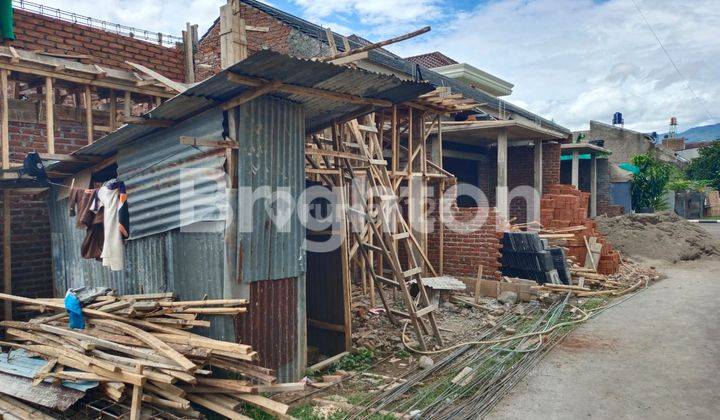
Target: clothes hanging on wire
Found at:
113, 199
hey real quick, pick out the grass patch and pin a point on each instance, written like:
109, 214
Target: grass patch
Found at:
358, 361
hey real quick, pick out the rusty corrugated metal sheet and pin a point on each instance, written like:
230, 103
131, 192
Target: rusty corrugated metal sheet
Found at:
270, 326
273, 156
171, 185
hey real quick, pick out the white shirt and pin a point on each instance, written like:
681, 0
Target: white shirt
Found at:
113, 250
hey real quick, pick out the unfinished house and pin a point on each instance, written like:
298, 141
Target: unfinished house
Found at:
468, 149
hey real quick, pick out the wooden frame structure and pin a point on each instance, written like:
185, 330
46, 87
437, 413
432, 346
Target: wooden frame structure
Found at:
62, 83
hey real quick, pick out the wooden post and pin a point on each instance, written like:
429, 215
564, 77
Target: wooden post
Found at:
136, 403
189, 53
501, 199
478, 282
394, 140
344, 251
576, 169
593, 185
112, 100
7, 260
441, 234
4, 109
88, 114
50, 114
127, 105
538, 177
233, 37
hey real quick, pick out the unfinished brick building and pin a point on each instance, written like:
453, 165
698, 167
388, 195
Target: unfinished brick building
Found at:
49, 72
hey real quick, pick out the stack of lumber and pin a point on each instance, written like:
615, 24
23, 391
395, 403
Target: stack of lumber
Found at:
563, 212
140, 349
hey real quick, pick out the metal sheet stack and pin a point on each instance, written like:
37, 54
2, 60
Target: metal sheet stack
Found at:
524, 255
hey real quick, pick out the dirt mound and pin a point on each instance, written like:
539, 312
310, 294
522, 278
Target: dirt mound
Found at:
659, 236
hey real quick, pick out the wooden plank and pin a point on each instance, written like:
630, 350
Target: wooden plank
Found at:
154, 122
136, 404
176, 86
188, 48
350, 58
251, 94
50, 114
88, 114
7, 252
113, 110
152, 341
377, 44
326, 325
4, 125
327, 362
267, 405
211, 403
230, 385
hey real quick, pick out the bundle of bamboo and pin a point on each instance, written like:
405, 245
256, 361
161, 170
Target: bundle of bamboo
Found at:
140, 347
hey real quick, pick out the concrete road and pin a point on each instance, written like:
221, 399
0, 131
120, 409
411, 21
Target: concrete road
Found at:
713, 228
654, 356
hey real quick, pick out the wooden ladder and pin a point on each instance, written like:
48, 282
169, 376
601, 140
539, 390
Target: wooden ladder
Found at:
388, 235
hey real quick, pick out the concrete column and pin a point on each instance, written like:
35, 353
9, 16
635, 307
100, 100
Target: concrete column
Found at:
538, 176
593, 185
576, 169
501, 195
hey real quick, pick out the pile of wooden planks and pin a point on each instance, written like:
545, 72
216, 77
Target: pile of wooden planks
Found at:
140, 348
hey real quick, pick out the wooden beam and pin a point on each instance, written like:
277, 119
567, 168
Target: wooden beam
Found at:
378, 44
4, 125
189, 54
127, 104
309, 91
176, 86
350, 58
112, 110
251, 94
50, 113
155, 122
7, 261
88, 114
218, 143
66, 158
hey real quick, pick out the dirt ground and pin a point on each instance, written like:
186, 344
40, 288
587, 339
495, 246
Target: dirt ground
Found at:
653, 356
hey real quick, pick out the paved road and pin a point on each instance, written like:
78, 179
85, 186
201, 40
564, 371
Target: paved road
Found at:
655, 356
713, 228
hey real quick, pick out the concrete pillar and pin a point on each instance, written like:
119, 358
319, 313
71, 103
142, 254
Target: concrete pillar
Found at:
538, 176
501, 195
593, 185
576, 169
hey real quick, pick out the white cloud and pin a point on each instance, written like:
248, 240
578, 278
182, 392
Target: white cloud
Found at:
576, 60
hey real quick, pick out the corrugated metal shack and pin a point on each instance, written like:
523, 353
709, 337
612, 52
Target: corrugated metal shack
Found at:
193, 231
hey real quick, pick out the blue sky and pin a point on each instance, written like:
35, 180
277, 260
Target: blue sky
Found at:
570, 60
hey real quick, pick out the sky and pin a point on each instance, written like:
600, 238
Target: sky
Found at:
570, 60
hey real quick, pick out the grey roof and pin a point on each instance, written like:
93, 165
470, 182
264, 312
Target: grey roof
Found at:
392, 61
266, 64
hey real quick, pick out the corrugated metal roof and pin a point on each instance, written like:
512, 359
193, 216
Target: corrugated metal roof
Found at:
392, 61
266, 64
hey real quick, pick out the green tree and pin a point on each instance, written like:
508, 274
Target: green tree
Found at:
648, 185
706, 167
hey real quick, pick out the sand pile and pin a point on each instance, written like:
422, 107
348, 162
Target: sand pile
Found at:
659, 236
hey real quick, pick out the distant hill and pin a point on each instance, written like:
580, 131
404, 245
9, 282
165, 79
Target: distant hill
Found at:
700, 133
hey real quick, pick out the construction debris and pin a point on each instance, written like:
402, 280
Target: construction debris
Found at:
138, 348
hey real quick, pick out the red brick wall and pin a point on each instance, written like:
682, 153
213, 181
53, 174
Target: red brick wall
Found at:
31, 137
207, 56
37, 32
30, 239
468, 244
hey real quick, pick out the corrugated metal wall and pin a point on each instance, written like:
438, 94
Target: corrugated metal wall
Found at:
171, 185
272, 154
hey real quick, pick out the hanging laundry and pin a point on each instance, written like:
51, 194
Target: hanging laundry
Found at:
113, 198
89, 216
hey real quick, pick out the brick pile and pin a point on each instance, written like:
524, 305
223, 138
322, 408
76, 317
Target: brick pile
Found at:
565, 206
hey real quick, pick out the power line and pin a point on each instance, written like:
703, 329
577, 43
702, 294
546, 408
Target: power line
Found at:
682, 76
